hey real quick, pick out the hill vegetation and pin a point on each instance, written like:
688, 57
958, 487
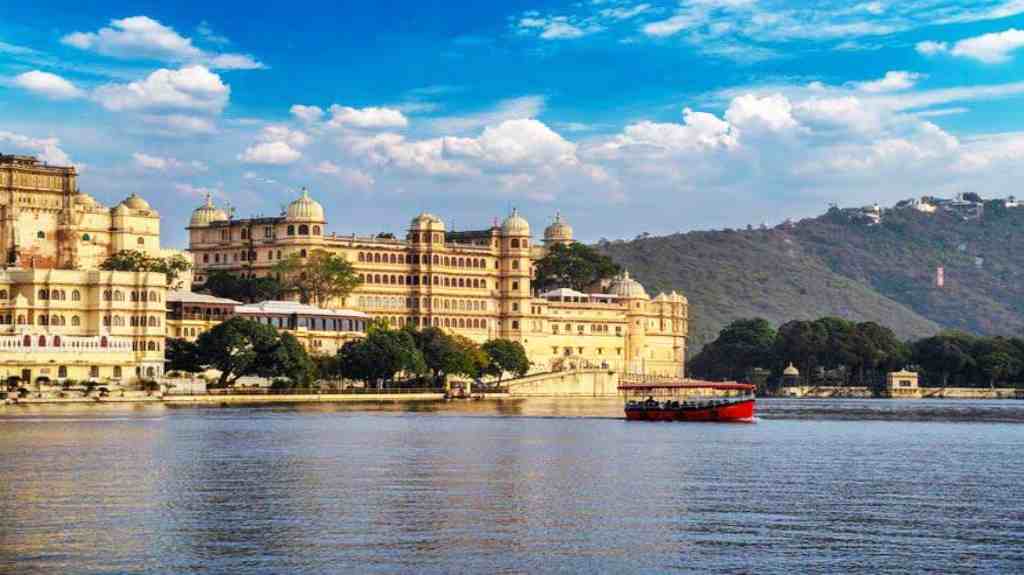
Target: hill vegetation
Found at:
838, 265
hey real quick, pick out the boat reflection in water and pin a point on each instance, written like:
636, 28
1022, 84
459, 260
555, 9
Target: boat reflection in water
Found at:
662, 399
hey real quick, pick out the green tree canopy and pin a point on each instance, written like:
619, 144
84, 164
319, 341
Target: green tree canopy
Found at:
577, 266
319, 278
379, 356
241, 347
243, 289
505, 356
137, 261
181, 355
741, 346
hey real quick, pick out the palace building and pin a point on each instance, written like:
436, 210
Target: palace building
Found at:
475, 283
61, 318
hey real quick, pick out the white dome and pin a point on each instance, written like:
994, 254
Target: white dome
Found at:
627, 287
136, 202
559, 231
207, 213
515, 225
426, 221
305, 208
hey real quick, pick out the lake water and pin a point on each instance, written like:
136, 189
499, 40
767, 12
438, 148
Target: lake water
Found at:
817, 486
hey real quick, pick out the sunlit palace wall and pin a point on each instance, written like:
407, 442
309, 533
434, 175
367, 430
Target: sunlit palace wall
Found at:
60, 316
476, 283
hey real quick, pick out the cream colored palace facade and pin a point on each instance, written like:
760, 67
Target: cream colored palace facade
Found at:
60, 316
473, 283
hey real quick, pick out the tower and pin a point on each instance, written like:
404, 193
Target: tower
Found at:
514, 283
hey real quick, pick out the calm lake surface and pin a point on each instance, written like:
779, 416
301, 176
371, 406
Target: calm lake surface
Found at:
817, 486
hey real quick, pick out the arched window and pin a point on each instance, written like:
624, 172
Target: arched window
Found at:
151, 346
303, 230
43, 320
141, 241
394, 259
117, 371
103, 341
75, 321
150, 372
41, 235
515, 242
42, 341
44, 294
152, 321
118, 295
245, 234
153, 296
62, 371
56, 341
3, 294
376, 258
515, 264
362, 257
291, 230
26, 341
316, 230
206, 258
302, 253
76, 295
462, 282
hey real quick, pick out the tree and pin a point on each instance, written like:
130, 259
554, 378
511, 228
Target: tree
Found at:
290, 360
998, 366
505, 356
741, 346
379, 356
445, 355
944, 355
239, 347
577, 266
319, 278
244, 289
181, 355
138, 261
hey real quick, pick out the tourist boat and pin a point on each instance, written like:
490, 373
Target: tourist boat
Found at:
688, 400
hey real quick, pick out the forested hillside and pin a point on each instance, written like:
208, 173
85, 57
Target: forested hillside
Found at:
838, 265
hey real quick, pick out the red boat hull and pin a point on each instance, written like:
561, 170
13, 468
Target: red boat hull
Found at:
740, 411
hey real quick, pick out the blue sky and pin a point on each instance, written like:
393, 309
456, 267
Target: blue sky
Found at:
628, 116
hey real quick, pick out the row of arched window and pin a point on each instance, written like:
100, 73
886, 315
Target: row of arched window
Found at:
437, 260
302, 229
136, 296
395, 302
133, 321
58, 320
145, 346
450, 322
54, 294
446, 281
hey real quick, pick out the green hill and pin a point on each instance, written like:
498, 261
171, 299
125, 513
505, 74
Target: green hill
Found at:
836, 264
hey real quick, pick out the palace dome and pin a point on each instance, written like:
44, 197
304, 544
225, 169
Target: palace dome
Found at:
627, 287
207, 213
84, 199
305, 208
515, 224
426, 221
791, 370
136, 202
558, 231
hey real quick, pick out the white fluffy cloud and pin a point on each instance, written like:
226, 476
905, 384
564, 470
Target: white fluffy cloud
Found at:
307, 114
191, 88
47, 149
46, 84
162, 164
991, 48
772, 112
930, 48
350, 176
141, 37
178, 125
282, 133
892, 82
371, 117
273, 153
